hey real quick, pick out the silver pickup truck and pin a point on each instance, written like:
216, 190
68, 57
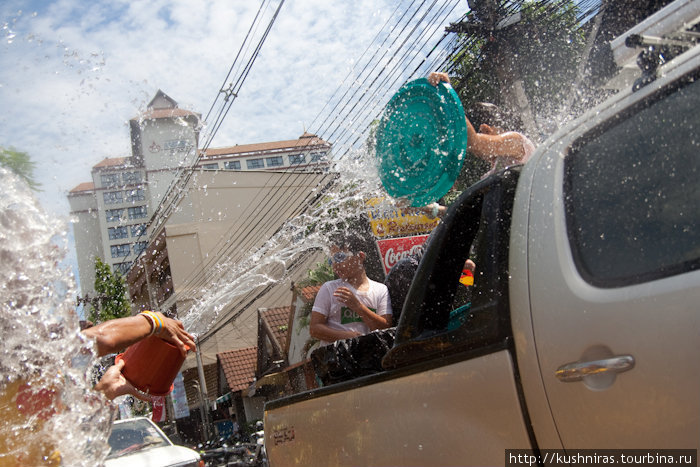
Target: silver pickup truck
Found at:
584, 325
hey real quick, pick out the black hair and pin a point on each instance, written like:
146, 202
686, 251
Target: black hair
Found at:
349, 241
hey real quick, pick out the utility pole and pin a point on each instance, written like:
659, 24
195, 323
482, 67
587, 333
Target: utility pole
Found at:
204, 401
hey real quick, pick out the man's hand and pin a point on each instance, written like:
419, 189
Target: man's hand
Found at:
113, 384
174, 332
435, 77
347, 298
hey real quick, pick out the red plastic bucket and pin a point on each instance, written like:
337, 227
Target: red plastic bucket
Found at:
151, 365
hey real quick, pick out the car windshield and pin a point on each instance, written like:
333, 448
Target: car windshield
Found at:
134, 435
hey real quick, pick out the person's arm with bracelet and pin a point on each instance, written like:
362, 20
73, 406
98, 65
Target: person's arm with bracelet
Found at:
117, 334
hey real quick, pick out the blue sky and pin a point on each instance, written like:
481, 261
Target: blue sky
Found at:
72, 73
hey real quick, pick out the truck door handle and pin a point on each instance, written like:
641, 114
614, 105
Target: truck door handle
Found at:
576, 371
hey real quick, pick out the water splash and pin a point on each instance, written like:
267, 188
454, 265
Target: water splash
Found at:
48, 408
339, 209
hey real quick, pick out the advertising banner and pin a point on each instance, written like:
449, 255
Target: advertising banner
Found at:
392, 250
180, 398
388, 220
158, 405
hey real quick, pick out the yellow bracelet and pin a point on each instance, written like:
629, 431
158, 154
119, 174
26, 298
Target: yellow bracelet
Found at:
156, 318
150, 319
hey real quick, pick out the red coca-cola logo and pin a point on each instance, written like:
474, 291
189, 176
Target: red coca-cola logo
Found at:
392, 257
395, 249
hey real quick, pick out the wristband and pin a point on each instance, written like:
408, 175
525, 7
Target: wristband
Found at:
150, 320
436, 209
156, 319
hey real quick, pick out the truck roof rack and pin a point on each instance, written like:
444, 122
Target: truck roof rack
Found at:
666, 34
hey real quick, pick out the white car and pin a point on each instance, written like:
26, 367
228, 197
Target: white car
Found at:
139, 442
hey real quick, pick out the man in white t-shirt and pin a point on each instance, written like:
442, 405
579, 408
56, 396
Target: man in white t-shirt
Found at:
352, 305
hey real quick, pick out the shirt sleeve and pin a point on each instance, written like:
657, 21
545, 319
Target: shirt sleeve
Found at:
322, 303
384, 302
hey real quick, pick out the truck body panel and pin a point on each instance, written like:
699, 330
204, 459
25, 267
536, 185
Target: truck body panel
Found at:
468, 409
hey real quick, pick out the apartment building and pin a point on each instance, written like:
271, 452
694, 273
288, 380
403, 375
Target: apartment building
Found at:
114, 209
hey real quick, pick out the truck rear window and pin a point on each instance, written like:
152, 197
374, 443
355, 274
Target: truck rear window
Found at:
633, 194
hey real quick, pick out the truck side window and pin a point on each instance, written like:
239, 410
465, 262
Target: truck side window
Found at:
633, 195
428, 328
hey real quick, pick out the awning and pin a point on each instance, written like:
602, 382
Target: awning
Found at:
225, 398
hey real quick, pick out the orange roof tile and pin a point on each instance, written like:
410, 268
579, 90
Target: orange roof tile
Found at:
85, 186
309, 293
239, 367
278, 320
111, 162
307, 139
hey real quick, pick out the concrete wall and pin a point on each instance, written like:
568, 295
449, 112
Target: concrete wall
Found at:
88, 237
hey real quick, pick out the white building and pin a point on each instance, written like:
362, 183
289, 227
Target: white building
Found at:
115, 208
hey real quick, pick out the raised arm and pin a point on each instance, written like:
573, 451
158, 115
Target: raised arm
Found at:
117, 334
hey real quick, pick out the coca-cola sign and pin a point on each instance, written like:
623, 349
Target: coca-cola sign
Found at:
393, 250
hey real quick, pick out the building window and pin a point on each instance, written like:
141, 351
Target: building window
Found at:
138, 230
121, 268
211, 166
296, 159
113, 197
318, 156
137, 212
135, 195
232, 165
255, 163
131, 178
179, 145
139, 247
118, 232
119, 251
114, 215
109, 180
274, 161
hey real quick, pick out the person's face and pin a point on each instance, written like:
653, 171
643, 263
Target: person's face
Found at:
345, 263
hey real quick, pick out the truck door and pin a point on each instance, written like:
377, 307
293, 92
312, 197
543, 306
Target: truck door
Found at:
613, 253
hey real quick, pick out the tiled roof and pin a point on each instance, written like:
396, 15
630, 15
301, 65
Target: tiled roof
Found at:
239, 367
85, 186
278, 320
307, 139
309, 293
111, 162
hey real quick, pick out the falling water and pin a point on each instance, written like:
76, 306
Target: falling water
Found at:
48, 410
341, 206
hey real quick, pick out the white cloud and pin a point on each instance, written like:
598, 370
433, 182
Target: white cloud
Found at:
75, 72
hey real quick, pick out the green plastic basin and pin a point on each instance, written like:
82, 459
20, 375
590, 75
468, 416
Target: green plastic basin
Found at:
421, 142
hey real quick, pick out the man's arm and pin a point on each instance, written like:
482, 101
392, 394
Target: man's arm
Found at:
117, 334
482, 145
490, 146
319, 329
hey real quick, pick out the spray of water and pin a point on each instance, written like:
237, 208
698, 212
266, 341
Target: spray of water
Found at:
339, 208
49, 413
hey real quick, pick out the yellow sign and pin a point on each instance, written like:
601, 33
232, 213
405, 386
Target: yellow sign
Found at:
388, 220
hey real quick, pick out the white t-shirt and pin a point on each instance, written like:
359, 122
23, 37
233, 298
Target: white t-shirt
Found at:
340, 317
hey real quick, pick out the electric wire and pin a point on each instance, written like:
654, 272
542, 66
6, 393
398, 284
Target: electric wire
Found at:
445, 57
377, 36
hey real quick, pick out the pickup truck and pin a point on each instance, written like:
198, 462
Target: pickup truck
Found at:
584, 325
